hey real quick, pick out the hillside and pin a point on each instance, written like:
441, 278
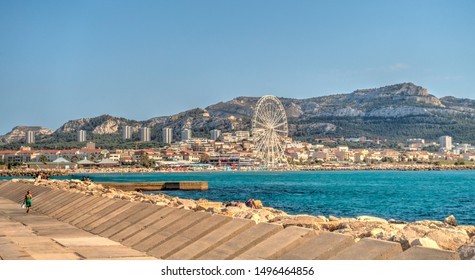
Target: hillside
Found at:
394, 112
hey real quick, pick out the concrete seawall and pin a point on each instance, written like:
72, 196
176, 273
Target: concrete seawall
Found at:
157, 186
70, 225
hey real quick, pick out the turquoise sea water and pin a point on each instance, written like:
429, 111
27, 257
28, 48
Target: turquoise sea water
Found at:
400, 195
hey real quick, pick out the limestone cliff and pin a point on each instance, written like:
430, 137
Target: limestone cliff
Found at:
393, 112
18, 133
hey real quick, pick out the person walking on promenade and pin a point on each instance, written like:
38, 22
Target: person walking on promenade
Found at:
28, 200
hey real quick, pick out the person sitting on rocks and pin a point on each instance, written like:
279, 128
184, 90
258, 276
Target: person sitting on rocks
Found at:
234, 203
251, 203
38, 179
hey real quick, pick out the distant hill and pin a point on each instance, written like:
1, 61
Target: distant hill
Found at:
18, 133
394, 112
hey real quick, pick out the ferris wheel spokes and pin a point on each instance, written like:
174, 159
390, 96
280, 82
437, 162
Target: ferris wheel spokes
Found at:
270, 130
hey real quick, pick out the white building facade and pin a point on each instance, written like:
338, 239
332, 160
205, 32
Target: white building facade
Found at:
185, 134
445, 143
126, 132
145, 135
81, 136
167, 135
30, 137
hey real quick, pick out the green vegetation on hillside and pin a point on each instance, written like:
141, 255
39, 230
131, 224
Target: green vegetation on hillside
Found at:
396, 129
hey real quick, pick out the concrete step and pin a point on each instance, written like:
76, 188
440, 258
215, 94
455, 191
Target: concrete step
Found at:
105, 203
241, 242
9, 188
163, 234
42, 248
176, 241
422, 253
142, 223
212, 240
105, 218
70, 204
369, 249
57, 201
170, 218
4, 185
137, 207
11, 251
85, 208
116, 204
277, 244
319, 247
79, 206
44, 200
16, 191
147, 210
108, 252
20, 190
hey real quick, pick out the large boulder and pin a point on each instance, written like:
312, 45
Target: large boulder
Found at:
467, 252
430, 224
306, 221
449, 238
450, 220
233, 210
360, 229
409, 233
208, 206
469, 229
188, 204
257, 215
425, 242
371, 219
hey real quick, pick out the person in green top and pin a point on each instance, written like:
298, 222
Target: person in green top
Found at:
28, 200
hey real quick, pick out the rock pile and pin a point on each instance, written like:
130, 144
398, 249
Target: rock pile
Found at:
447, 235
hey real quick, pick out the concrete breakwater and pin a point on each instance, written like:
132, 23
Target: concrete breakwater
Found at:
172, 228
157, 186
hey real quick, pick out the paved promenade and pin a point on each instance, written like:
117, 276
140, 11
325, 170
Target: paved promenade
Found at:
36, 236
72, 226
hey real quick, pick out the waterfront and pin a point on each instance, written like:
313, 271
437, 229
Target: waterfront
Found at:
399, 195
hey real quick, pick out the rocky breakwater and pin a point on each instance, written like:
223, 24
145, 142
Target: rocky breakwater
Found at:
32, 172
447, 234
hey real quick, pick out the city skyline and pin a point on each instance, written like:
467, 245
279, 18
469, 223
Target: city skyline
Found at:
64, 61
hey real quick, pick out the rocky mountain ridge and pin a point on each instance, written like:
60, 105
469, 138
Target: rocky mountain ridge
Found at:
18, 133
394, 112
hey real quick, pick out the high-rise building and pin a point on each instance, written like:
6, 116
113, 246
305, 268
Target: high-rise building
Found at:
30, 137
167, 135
126, 132
145, 134
215, 133
185, 134
445, 143
81, 136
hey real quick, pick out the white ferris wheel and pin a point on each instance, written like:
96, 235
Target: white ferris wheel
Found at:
270, 130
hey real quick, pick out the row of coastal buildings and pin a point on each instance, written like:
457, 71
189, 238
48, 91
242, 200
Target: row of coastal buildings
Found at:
410, 150
236, 150
223, 149
144, 134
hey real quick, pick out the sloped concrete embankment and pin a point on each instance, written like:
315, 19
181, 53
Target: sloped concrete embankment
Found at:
169, 233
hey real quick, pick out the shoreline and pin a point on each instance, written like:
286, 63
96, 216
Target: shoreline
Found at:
447, 234
30, 172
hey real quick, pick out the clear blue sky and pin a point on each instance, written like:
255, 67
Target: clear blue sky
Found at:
63, 60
